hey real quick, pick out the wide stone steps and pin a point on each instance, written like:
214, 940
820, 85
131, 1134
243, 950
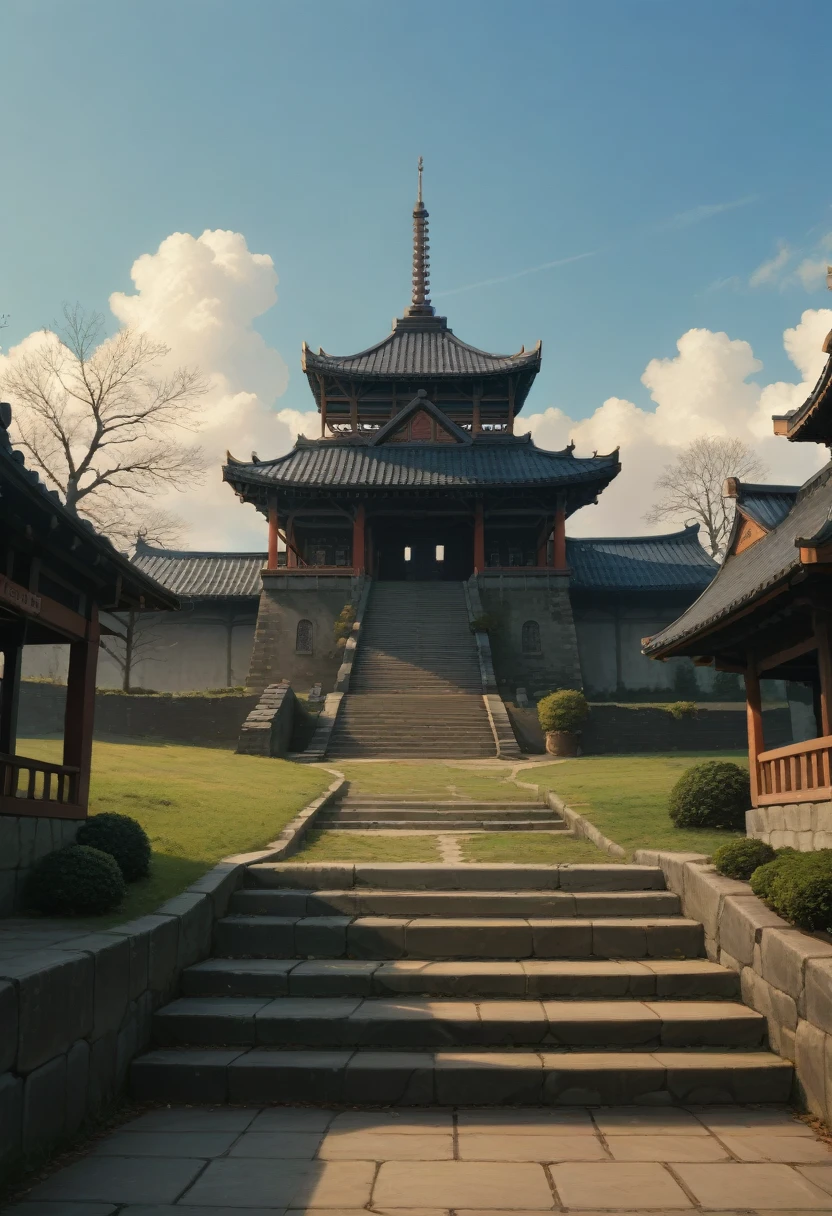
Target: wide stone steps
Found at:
459, 937
416, 686
357, 902
456, 1078
419, 1022
474, 985
574, 979
449, 824
359, 815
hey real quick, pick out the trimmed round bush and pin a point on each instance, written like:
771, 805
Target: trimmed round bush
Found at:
562, 710
122, 838
715, 794
798, 886
740, 858
75, 881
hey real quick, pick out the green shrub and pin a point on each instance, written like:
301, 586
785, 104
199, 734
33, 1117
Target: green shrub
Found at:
682, 709
564, 709
740, 858
715, 794
74, 881
344, 623
798, 887
123, 838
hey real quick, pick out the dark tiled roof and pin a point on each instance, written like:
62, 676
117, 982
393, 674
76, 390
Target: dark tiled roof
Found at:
421, 347
202, 575
512, 460
812, 422
676, 562
48, 506
746, 575
768, 505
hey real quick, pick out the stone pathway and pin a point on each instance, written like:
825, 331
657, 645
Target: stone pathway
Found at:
283, 1160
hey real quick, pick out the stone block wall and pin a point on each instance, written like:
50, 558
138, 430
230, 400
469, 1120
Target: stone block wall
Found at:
73, 1016
786, 974
267, 730
512, 604
23, 840
796, 825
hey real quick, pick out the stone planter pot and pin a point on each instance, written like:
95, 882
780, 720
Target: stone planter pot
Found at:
561, 743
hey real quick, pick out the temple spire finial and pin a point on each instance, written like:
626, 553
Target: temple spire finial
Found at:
420, 305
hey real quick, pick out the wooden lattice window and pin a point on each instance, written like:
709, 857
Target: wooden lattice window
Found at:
303, 638
531, 638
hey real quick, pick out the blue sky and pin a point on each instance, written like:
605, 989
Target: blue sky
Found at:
675, 146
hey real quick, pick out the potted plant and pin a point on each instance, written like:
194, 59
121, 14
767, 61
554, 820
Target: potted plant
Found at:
560, 715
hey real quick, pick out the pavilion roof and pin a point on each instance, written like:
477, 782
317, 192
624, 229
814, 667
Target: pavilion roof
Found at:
418, 347
201, 575
744, 577
767, 505
812, 422
673, 562
354, 462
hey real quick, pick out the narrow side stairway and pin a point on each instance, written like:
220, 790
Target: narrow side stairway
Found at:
473, 985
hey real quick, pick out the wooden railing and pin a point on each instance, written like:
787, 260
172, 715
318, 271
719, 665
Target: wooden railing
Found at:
35, 787
801, 772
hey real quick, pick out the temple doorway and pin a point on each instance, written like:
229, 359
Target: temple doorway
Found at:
423, 551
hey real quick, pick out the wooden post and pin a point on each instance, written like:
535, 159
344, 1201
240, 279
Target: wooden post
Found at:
358, 558
12, 650
823, 636
754, 717
273, 524
511, 389
354, 413
543, 544
291, 552
80, 708
322, 384
476, 425
560, 540
479, 537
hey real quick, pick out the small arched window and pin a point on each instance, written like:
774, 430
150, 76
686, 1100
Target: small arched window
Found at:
303, 638
531, 638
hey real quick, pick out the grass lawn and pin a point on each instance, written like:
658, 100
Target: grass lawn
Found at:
354, 846
433, 779
197, 805
626, 797
530, 847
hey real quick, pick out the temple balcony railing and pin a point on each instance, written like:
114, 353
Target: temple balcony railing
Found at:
36, 787
800, 772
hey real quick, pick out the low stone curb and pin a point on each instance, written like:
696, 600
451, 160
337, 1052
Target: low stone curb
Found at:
342, 680
73, 1016
505, 739
319, 742
786, 973
583, 828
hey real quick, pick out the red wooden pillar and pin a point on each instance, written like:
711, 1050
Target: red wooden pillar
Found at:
479, 537
358, 540
754, 716
823, 636
560, 540
80, 708
273, 522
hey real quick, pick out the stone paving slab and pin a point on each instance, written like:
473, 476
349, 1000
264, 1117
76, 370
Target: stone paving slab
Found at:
468, 1161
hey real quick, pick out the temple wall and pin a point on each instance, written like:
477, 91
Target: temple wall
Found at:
285, 601
557, 664
609, 645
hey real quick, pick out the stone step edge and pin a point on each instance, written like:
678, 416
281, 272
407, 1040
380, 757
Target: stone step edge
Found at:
462, 876
459, 1078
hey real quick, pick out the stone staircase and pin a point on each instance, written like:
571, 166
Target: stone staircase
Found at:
440, 985
416, 687
362, 813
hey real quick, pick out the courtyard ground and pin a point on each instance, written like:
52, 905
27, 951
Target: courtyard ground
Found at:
197, 804
285, 1160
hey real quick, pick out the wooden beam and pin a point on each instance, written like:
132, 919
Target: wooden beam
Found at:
754, 723
787, 654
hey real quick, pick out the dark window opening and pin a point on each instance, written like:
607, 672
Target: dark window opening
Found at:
303, 638
531, 638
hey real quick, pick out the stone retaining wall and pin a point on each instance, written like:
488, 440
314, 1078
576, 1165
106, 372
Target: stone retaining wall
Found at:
786, 974
23, 840
797, 825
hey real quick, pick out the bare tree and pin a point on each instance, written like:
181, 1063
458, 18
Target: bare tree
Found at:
133, 638
102, 424
692, 485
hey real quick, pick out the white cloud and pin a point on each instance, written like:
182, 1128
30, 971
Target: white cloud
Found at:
705, 389
771, 271
201, 297
706, 211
